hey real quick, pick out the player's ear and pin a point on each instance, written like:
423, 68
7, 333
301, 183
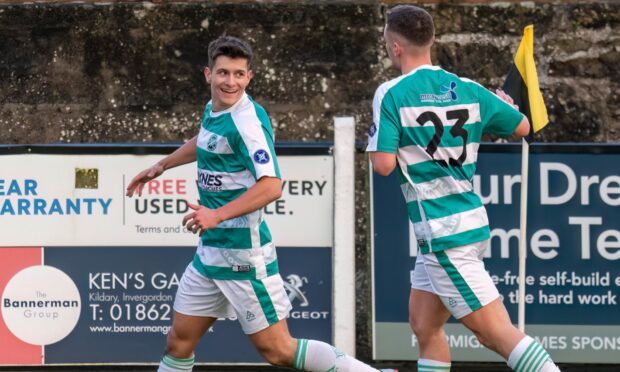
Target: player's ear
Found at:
396, 49
250, 75
207, 72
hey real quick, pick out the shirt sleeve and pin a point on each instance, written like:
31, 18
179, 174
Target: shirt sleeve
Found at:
258, 154
385, 132
498, 117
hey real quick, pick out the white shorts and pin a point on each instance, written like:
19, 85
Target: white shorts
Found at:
257, 304
457, 276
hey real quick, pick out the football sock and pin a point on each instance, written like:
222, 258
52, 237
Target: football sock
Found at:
429, 365
171, 364
528, 355
317, 356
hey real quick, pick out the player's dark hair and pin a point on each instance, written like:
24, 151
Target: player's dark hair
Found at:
229, 46
411, 22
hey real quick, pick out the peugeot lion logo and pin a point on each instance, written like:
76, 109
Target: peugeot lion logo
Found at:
295, 282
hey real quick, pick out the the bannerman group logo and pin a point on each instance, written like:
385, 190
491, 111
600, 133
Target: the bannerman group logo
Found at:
41, 305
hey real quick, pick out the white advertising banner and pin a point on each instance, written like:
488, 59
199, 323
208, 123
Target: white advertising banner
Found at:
79, 200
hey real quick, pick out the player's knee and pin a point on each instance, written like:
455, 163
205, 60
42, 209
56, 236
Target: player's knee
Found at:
277, 359
173, 338
487, 334
418, 326
485, 340
425, 332
277, 356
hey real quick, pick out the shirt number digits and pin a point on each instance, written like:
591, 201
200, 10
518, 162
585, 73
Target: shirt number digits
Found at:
457, 130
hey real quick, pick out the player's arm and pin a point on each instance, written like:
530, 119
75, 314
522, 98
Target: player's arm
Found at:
500, 115
263, 192
383, 163
523, 129
385, 133
183, 155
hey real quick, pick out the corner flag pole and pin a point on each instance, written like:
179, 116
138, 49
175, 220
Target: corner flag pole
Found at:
525, 155
522, 85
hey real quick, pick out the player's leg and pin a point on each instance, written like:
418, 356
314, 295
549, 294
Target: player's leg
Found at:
279, 348
468, 291
262, 307
182, 339
275, 344
427, 316
492, 326
529, 355
197, 305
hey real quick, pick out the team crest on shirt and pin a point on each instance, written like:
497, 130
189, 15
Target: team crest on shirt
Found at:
261, 156
212, 143
448, 94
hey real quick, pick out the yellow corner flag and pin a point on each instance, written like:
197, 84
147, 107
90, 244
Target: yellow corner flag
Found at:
522, 84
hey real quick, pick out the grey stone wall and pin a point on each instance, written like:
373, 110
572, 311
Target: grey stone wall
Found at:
131, 72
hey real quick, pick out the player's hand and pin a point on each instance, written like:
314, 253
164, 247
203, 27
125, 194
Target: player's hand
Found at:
201, 219
137, 183
501, 94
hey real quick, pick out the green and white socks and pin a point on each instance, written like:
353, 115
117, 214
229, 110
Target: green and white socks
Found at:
317, 356
528, 355
429, 365
311, 356
169, 363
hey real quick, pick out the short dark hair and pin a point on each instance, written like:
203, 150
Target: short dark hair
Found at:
411, 22
229, 46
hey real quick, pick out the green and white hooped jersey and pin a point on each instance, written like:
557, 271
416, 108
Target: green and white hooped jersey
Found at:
234, 150
433, 121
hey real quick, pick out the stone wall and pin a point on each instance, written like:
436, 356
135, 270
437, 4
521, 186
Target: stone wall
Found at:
131, 71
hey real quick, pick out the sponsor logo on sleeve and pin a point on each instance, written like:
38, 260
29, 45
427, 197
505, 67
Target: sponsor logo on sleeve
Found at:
261, 156
373, 130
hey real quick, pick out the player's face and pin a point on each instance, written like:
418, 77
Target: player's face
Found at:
228, 79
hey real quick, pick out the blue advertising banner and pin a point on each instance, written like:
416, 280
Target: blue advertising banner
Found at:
127, 295
573, 248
